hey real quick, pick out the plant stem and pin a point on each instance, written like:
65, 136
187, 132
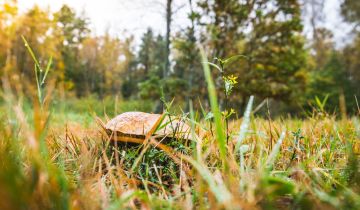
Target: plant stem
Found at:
225, 104
226, 119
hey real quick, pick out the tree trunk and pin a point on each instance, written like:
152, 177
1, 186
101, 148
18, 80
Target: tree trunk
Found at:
190, 96
168, 31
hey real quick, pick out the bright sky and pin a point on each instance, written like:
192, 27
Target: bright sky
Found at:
117, 16
135, 16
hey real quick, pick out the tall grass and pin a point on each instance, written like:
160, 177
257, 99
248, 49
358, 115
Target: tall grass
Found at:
219, 128
313, 165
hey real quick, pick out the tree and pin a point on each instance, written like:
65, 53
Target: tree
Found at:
322, 47
151, 84
87, 78
224, 20
351, 55
331, 81
350, 9
8, 14
104, 60
313, 12
269, 34
187, 56
167, 39
128, 86
147, 71
146, 53
275, 50
72, 30
37, 27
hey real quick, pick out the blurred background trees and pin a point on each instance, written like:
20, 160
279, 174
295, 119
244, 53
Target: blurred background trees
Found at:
282, 64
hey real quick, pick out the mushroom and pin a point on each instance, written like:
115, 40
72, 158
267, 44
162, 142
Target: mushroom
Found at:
135, 127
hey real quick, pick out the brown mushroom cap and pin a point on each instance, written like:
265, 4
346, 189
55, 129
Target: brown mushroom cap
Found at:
140, 123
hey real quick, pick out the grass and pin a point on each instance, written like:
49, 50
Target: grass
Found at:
83, 171
54, 158
318, 170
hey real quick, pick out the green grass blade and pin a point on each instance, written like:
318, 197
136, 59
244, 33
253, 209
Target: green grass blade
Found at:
220, 134
37, 83
37, 69
195, 143
31, 52
220, 191
245, 124
272, 157
230, 60
213, 65
47, 69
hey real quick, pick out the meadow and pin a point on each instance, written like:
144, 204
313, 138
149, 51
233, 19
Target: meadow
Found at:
55, 155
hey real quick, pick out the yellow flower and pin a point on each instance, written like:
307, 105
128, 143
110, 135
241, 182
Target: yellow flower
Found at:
233, 79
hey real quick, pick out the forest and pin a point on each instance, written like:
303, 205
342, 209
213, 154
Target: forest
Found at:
279, 64
272, 110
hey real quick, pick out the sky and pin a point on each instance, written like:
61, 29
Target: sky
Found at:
121, 17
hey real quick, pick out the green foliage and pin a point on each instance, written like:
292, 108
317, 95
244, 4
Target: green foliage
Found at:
350, 9
148, 70
187, 68
72, 30
274, 49
331, 82
150, 88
